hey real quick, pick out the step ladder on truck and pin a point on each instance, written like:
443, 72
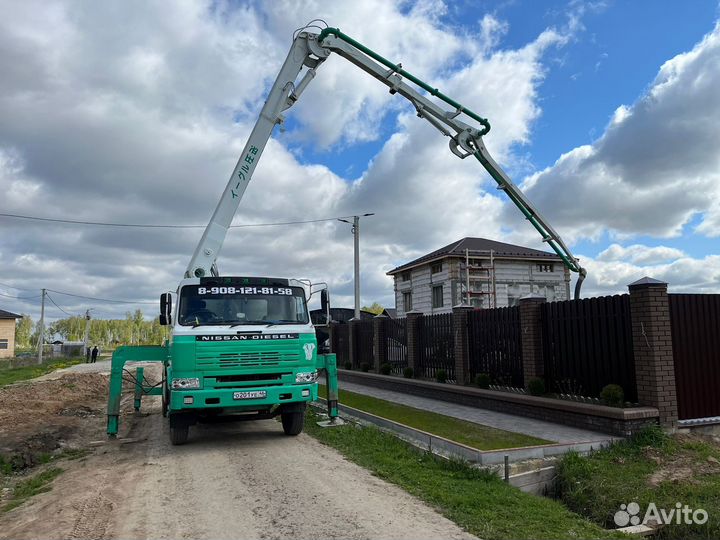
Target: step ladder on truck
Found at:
244, 348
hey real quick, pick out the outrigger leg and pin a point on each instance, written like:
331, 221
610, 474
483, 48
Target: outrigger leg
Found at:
328, 362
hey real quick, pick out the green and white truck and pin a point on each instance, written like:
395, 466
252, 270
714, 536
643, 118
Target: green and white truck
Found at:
244, 347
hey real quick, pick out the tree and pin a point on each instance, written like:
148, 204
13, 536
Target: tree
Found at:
376, 308
24, 332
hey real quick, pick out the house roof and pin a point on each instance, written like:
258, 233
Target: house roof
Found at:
475, 245
7, 315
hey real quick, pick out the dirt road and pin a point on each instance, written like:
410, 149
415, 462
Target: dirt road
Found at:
241, 480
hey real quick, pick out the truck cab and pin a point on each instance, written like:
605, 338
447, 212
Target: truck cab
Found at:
241, 348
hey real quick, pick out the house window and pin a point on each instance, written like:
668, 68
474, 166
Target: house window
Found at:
544, 267
437, 296
436, 268
405, 276
407, 301
3, 343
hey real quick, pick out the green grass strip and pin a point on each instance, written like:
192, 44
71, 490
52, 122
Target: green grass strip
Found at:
12, 375
477, 500
40, 483
461, 431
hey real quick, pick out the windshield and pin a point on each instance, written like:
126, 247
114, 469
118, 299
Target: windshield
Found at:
206, 305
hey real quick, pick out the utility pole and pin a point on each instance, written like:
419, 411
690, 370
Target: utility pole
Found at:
87, 330
356, 233
41, 340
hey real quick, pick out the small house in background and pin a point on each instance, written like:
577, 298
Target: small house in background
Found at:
7, 333
484, 273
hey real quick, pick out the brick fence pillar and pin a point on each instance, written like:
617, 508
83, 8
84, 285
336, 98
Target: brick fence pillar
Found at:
532, 356
353, 336
413, 340
379, 341
461, 342
652, 347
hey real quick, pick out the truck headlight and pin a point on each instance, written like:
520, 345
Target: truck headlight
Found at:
192, 383
309, 377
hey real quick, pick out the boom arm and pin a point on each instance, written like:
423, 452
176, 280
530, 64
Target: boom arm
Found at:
310, 50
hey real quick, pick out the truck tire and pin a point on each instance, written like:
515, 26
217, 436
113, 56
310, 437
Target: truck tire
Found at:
293, 421
179, 434
165, 396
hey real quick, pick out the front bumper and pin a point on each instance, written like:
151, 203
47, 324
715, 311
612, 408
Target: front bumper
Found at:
223, 398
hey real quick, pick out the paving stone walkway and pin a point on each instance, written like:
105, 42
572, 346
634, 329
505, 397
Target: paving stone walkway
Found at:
517, 424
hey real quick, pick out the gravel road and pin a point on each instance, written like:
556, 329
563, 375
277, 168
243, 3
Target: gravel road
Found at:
238, 480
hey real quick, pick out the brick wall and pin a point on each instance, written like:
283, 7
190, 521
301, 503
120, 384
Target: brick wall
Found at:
7, 331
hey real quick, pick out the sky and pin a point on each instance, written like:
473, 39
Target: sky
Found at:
605, 113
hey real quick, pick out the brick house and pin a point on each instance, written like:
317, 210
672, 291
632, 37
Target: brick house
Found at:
7, 333
498, 275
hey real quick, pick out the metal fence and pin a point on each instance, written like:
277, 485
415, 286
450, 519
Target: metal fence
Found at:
436, 346
396, 344
341, 343
587, 344
695, 322
495, 346
363, 343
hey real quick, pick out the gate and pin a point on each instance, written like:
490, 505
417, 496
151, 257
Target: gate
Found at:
695, 322
396, 344
436, 346
495, 346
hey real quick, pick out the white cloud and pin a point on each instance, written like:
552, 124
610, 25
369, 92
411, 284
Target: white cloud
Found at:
656, 165
138, 114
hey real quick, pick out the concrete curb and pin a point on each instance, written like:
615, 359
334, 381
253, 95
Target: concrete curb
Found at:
447, 448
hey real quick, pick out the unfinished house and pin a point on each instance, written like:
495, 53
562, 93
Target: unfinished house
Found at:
480, 272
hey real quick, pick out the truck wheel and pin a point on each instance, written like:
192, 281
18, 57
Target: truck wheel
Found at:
165, 397
179, 435
293, 421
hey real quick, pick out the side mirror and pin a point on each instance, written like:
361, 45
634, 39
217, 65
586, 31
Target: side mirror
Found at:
324, 300
165, 309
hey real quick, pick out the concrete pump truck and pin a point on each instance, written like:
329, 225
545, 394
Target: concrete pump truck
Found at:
243, 347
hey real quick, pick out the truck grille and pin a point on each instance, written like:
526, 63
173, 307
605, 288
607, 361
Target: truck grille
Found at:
247, 359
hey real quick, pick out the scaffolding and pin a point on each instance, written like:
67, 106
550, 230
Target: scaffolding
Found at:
479, 279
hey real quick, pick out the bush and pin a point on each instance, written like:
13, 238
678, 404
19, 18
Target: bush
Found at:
613, 395
385, 369
408, 373
536, 386
483, 380
348, 365
365, 367
441, 376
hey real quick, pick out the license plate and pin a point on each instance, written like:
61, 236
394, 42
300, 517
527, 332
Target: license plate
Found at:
255, 394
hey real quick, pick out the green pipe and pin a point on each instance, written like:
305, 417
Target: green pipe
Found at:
396, 67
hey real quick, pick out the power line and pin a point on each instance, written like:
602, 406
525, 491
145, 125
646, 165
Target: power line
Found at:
101, 299
14, 287
20, 297
61, 309
154, 226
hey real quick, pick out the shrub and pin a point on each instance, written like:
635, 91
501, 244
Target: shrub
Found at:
385, 369
613, 395
365, 367
408, 373
483, 380
441, 376
536, 386
348, 365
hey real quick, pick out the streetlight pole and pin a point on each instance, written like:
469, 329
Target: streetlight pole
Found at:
356, 234
41, 340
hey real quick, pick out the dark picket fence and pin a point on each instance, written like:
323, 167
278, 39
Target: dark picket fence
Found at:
587, 344
495, 346
341, 344
695, 322
396, 344
364, 352
436, 346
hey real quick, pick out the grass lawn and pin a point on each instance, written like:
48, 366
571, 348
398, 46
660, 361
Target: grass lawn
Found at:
467, 433
11, 375
475, 499
651, 467
23, 490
